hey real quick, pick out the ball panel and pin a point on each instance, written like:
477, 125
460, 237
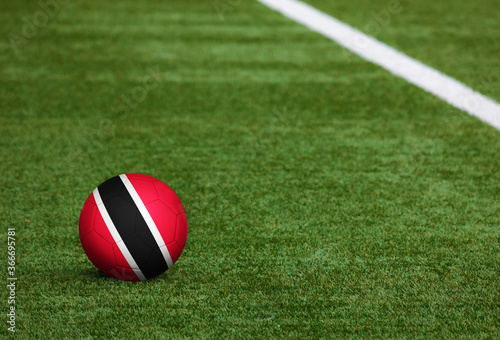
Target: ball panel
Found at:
150, 261
123, 213
122, 273
169, 197
145, 189
87, 216
182, 229
119, 258
164, 218
101, 228
99, 251
110, 188
174, 250
139, 250
155, 265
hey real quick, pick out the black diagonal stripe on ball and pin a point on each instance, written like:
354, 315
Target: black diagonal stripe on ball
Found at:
132, 227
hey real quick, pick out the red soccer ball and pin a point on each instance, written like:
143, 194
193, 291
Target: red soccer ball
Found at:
133, 227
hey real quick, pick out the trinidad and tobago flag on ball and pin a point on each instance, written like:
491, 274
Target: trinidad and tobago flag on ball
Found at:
133, 227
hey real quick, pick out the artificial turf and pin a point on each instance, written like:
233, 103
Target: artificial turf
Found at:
459, 38
325, 197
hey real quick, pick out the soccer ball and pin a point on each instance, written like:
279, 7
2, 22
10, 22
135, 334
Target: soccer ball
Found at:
133, 227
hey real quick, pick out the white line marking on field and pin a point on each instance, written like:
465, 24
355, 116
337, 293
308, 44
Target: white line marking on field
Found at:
116, 236
369, 48
149, 220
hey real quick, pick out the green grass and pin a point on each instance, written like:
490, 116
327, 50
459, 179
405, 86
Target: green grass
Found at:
325, 197
459, 38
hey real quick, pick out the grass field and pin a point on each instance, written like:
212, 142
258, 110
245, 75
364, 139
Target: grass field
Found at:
326, 198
